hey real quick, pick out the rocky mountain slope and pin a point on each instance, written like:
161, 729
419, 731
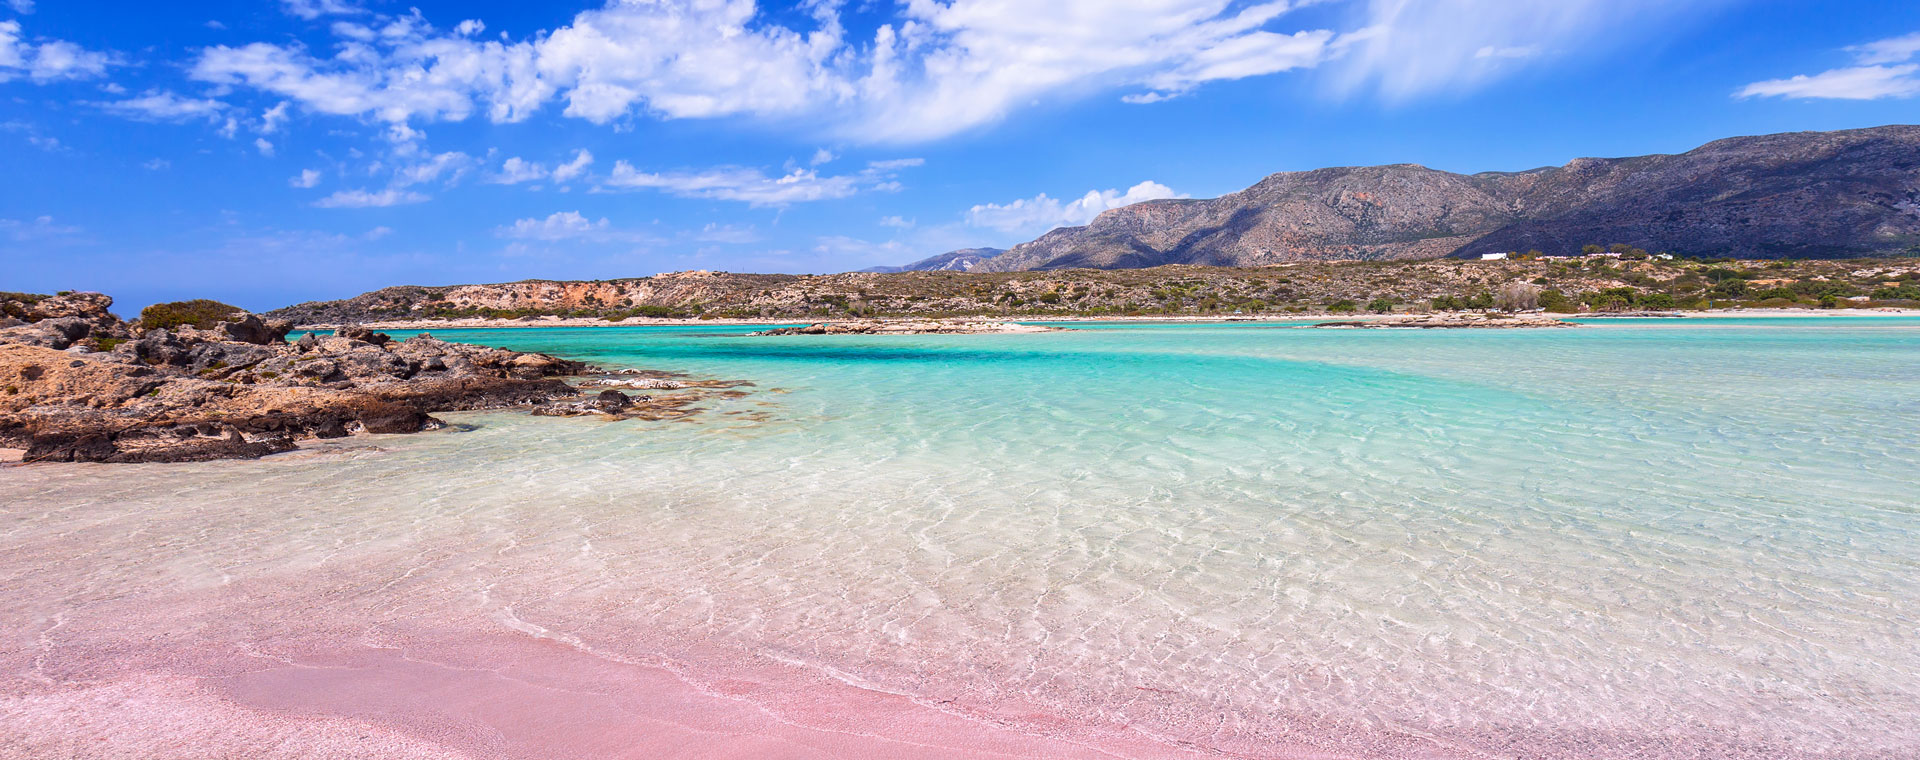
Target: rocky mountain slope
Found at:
963, 260
1802, 195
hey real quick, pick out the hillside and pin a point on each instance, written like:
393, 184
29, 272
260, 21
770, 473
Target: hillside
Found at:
1597, 282
1802, 195
963, 260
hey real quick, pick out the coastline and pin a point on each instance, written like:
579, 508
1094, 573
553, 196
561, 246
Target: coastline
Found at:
471, 323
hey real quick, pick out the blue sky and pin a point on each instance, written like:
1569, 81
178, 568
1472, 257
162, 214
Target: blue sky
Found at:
275, 151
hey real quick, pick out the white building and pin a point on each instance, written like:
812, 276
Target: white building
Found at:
1492, 256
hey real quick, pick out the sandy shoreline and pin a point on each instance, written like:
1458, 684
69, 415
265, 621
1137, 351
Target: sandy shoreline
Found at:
479, 323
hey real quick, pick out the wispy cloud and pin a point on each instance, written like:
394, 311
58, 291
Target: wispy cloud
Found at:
1401, 50
570, 225
736, 183
163, 105
929, 70
1883, 71
370, 199
1042, 212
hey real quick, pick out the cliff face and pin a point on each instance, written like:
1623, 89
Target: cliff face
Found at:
1805, 194
963, 260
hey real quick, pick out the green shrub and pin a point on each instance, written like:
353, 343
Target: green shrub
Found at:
200, 313
1343, 305
1558, 302
1380, 305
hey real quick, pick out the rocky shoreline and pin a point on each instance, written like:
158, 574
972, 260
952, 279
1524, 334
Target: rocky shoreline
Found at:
1450, 321
78, 384
909, 327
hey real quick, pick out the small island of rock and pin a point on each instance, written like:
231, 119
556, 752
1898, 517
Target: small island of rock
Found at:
78, 384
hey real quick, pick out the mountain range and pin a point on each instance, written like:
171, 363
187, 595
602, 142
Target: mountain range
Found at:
1800, 195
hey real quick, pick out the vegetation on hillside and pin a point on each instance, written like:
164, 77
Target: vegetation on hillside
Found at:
1630, 281
200, 313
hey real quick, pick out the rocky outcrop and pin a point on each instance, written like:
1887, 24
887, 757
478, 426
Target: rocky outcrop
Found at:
1802, 195
59, 321
239, 390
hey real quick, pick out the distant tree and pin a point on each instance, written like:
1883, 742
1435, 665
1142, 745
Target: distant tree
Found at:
1619, 248
1480, 300
1380, 305
1518, 296
1558, 302
1343, 305
1591, 249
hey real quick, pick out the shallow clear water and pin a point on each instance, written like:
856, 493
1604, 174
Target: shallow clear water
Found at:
1656, 538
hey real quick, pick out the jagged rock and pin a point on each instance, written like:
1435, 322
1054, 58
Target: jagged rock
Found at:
207, 358
238, 390
612, 400
252, 329
56, 333
157, 348
353, 332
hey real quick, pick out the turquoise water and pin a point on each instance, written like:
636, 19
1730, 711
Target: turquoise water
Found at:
1652, 538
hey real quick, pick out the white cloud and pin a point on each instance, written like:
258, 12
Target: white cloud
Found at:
736, 183
560, 225
313, 9
569, 225
378, 233
1872, 79
308, 178
516, 170
1403, 49
726, 233
265, 148
163, 105
932, 69
571, 169
1856, 83
896, 163
273, 118
450, 166
821, 156
1519, 51
156, 164
22, 7
896, 222
40, 228
46, 60
367, 199
1890, 50
1041, 213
